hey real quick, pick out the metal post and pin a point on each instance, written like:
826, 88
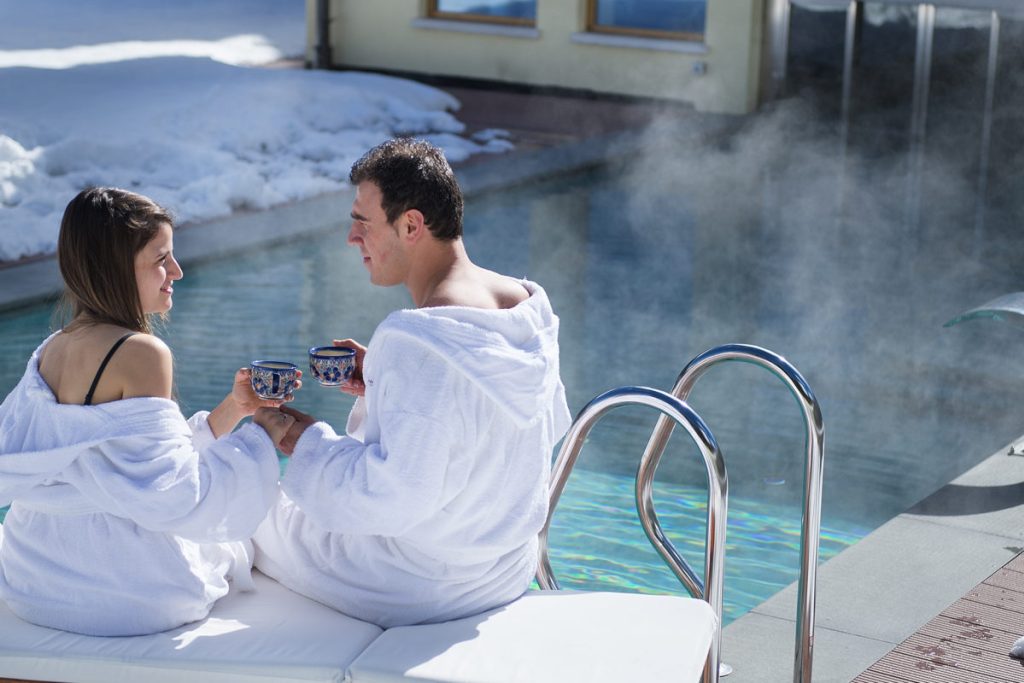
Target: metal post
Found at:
778, 22
848, 46
986, 129
844, 122
919, 117
323, 34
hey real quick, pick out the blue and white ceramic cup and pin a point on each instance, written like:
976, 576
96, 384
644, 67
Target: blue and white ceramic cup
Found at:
273, 379
332, 365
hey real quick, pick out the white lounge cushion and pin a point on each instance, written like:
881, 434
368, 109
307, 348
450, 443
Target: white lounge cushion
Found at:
551, 637
271, 634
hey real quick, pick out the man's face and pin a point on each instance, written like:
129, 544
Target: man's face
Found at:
383, 251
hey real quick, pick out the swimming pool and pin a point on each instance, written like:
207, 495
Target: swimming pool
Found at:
647, 268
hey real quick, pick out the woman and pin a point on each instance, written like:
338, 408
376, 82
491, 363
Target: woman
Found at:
123, 513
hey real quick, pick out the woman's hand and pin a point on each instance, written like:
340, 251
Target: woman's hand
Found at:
246, 399
354, 384
302, 421
241, 403
274, 422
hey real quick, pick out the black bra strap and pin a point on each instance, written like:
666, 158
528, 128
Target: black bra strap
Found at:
103, 366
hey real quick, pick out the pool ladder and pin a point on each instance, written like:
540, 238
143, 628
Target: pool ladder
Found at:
675, 411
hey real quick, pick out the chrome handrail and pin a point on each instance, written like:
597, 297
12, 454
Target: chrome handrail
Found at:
814, 460
678, 412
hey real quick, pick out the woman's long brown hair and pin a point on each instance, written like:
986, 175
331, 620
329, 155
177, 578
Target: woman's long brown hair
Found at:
102, 230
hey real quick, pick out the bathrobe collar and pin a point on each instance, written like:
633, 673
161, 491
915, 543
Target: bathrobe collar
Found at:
506, 352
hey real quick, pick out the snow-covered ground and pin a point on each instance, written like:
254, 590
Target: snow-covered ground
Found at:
168, 99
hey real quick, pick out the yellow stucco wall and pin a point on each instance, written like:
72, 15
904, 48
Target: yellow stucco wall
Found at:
380, 34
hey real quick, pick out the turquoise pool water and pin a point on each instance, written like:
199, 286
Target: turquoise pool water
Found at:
597, 541
647, 268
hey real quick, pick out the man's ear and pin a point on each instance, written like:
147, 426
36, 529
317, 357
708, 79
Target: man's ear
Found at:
415, 225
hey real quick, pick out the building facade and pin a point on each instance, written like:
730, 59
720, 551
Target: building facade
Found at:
708, 54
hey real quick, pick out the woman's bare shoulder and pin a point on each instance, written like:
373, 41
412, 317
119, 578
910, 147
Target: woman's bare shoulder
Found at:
145, 367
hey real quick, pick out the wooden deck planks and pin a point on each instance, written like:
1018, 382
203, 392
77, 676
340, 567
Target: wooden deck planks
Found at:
1007, 578
961, 657
985, 638
871, 676
1016, 564
979, 615
968, 642
918, 670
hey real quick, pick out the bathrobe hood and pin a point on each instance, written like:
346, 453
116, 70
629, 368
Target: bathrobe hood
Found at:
507, 353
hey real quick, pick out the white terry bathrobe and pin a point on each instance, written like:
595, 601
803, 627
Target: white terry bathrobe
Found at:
429, 509
119, 510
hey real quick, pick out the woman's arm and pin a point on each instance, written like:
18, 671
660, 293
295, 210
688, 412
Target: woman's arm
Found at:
241, 403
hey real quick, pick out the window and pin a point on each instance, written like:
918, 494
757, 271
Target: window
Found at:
516, 12
680, 19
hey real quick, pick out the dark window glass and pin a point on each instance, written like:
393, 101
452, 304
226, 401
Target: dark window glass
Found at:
521, 10
661, 16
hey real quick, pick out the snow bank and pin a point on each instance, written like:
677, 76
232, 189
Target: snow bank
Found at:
149, 96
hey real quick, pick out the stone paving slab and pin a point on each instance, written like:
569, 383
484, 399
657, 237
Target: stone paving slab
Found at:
988, 497
897, 578
761, 649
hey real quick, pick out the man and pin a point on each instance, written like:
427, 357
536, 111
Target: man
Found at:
429, 509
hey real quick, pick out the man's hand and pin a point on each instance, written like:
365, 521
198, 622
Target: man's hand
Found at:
354, 384
275, 423
302, 421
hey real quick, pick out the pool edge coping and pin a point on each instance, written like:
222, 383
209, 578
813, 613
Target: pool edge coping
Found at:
855, 611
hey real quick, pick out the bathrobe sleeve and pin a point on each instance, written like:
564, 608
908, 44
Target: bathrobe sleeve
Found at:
202, 435
386, 487
161, 482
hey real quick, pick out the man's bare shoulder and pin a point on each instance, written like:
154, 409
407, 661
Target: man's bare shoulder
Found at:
484, 289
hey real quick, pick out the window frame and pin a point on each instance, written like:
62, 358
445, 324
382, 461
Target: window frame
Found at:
434, 13
593, 27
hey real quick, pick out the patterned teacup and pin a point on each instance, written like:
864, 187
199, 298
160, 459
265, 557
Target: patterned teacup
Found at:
273, 379
332, 365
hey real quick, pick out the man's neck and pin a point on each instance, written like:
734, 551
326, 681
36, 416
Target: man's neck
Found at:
437, 263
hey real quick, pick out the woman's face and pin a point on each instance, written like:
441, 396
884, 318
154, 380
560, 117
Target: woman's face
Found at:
156, 270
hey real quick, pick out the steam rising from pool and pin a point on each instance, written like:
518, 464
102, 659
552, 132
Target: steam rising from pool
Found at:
836, 254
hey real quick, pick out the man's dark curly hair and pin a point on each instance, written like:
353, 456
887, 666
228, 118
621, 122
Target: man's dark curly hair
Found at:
413, 174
